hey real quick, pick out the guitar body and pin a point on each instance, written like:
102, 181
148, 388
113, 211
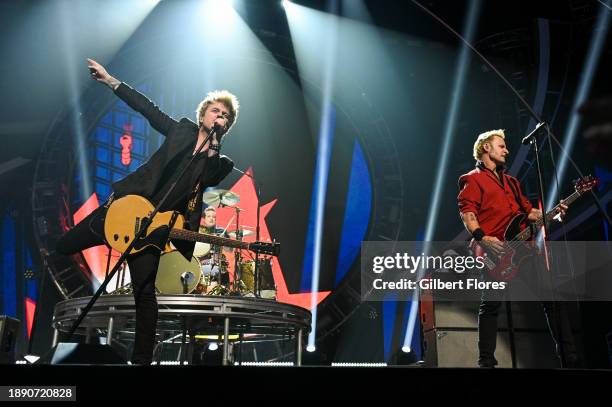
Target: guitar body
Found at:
123, 220
506, 267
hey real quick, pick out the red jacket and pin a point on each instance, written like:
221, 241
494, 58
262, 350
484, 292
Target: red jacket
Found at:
493, 203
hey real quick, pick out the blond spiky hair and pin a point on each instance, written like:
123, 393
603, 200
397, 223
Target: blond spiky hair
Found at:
484, 138
228, 99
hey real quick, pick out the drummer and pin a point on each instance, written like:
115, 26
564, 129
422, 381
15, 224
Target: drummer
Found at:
214, 260
209, 222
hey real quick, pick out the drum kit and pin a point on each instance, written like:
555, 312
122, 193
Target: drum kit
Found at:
208, 272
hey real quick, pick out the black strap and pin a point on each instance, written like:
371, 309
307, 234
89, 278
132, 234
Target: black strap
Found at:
515, 192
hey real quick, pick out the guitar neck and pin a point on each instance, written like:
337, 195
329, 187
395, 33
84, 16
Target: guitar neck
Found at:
184, 234
526, 234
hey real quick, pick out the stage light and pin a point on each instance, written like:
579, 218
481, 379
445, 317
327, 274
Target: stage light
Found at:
406, 349
451, 121
310, 348
357, 364
406, 358
213, 346
31, 358
301, 35
272, 364
598, 41
218, 10
285, 3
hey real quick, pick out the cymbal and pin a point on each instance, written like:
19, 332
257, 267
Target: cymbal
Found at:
220, 197
244, 233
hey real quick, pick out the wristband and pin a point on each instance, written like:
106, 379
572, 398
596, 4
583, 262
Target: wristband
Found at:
478, 234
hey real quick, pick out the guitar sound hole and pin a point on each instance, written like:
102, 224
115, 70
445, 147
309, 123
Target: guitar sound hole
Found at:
116, 237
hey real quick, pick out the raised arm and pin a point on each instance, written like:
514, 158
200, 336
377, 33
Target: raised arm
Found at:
159, 120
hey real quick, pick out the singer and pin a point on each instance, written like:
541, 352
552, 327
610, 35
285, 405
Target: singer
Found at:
215, 115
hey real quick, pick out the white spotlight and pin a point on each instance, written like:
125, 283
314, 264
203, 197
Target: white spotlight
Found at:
310, 348
213, 346
406, 349
219, 12
31, 358
285, 3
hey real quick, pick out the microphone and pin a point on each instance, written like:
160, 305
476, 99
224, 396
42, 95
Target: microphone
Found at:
217, 128
527, 139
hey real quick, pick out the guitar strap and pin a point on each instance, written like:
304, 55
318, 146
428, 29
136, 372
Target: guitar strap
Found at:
514, 189
173, 219
110, 200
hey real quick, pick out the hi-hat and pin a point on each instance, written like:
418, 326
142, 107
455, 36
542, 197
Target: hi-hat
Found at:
220, 197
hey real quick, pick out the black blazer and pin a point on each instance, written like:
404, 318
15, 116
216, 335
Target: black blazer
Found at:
179, 135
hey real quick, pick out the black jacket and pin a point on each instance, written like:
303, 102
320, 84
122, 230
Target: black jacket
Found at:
179, 135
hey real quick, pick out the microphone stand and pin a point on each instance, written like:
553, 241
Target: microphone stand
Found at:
531, 139
257, 186
145, 222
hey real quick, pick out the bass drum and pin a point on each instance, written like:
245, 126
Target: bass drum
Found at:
172, 269
266, 279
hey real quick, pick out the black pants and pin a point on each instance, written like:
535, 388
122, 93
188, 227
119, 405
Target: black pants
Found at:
556, 317
556, 313
143, 270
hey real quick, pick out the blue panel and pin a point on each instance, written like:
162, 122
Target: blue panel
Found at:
117, 176
103, 172
103, 155
121, 105
117, 160
138, 124
103, 190
356, 213
9, 282
604, 176
103, 135
107, 118
117, 138
137, 146
120, 119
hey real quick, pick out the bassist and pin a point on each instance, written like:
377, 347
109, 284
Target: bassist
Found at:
488, 200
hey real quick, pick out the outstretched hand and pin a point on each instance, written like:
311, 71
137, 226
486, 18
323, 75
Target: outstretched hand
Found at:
99, 73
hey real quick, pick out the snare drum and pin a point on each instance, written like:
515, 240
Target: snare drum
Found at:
214, 274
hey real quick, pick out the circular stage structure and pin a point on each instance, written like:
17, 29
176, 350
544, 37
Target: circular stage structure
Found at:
230, 320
